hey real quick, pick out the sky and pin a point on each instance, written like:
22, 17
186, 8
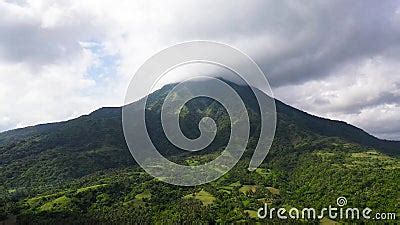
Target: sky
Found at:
335, 59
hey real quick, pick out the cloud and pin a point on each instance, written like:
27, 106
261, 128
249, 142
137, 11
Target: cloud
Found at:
364, 93
42, 33
43, 67
337, 59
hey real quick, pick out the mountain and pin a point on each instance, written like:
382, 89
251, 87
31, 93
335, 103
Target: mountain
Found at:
60, 158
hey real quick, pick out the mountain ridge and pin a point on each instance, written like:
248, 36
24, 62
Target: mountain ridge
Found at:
80, 171
96, 142
115, 111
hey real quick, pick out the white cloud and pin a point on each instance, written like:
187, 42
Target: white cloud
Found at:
55, 92
60, 59
366, 94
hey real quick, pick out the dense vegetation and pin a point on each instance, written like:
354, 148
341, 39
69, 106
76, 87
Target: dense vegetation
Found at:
81, 172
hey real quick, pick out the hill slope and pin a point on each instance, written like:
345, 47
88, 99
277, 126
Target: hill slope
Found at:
57, 152
83, 166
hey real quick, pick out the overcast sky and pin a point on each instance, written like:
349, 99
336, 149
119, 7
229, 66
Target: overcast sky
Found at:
336, 59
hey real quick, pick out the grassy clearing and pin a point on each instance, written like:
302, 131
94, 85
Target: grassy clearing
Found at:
369, 154
57, 198
232, 186
34, 200
225, 191
251, 213
245, 189
326, 221
262, 172
143, 195
265, 200
61, 203
205, 197
274, 191
236, 184
91, 188
373, 158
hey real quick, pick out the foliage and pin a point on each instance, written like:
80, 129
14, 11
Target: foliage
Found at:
81, 172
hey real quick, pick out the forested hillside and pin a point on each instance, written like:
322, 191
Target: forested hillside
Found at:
81, 172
